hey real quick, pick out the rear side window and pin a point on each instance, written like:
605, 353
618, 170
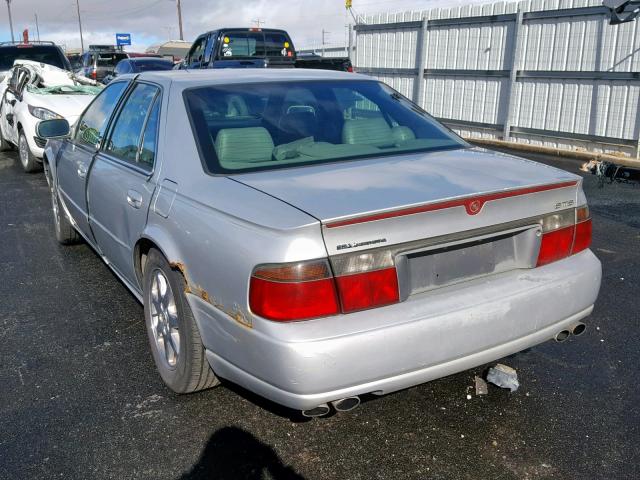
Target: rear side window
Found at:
92, 125
148, 151
127, 133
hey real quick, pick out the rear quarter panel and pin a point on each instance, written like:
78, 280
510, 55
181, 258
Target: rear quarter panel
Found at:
216, 230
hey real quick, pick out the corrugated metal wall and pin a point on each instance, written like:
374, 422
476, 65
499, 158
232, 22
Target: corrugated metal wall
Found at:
331, 51
468, 64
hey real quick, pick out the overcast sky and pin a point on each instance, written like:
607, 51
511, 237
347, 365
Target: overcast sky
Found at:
151, 21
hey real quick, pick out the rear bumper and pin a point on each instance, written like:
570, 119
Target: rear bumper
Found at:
393, 383
437, 333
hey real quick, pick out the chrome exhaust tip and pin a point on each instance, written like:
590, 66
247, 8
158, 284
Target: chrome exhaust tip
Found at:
578, 329
562, 336
319, 411
346, 404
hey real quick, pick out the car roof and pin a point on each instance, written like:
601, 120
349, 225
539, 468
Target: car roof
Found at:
228, 76
248, 29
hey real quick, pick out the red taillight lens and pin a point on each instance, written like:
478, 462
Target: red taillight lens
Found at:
582, 240
361, 291
555, 245
297, 291
94, 74
350, 69
564, 234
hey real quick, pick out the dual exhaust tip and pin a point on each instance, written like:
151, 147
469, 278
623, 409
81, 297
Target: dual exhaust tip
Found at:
343, 405
577, 329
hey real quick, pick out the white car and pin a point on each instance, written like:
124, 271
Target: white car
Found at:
33, 92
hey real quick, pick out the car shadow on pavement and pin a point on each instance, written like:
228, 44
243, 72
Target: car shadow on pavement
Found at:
233, 453
281, 411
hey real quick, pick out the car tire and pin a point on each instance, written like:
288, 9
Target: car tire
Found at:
66, 234
172, 331
27, 159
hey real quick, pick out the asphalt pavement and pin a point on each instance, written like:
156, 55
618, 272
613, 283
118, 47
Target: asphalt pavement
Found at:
80, 397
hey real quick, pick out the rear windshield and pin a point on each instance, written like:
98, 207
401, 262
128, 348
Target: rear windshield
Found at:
268, 126
44, 54
152, 65
248, 44
110, 59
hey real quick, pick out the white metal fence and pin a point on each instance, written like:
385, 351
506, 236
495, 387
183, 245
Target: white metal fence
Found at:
331, 51
546, 72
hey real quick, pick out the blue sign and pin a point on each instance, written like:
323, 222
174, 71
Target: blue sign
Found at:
123, 39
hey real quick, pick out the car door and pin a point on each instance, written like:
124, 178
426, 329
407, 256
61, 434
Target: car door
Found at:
77, 153
9, 130
120, 186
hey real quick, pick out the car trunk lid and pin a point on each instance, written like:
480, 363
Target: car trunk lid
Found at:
388, 201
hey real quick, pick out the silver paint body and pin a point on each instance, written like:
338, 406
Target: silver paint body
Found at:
219, 228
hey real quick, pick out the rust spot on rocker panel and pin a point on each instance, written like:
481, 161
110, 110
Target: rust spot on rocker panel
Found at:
180, 266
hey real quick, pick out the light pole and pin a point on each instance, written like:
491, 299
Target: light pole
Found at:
37, 27
80, 25
324, 34
10, 21
180, 19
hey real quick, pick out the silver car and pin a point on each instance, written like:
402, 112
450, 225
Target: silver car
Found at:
314, 236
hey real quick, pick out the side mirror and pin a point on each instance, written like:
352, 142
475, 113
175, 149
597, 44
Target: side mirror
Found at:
55, 128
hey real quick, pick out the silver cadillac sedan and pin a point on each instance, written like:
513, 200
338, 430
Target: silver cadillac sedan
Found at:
314, 236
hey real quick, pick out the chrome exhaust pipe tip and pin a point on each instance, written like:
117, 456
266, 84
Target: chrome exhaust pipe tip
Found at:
346, 404
562, 336
578, 329
319, 411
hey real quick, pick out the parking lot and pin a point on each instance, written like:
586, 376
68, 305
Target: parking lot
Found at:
80, 397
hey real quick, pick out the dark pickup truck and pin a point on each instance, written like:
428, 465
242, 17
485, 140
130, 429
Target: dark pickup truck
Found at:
252, 48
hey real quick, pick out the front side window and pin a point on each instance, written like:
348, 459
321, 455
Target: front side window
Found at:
267, 126
129, 126
92, 125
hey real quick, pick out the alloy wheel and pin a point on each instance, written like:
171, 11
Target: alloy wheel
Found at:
164, 319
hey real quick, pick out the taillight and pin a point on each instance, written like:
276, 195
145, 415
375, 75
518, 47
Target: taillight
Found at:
366, 280
295, 291
584, 228
305, 290
361, 291
350, 69
94, 74
564, 234
556, 245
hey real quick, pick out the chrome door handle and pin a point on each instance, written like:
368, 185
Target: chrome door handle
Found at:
134, 199
82, 171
